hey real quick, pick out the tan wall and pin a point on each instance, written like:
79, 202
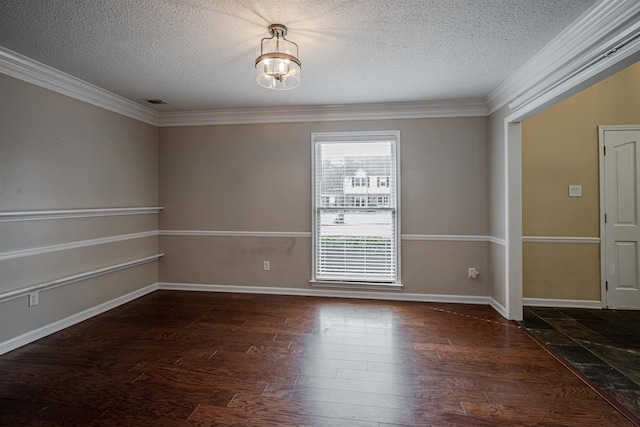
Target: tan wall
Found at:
258, 178
560, 147
58, 153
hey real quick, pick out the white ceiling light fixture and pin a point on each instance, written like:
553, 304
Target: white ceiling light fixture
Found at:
278, 66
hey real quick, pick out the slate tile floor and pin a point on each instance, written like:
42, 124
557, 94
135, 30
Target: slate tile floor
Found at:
603, 345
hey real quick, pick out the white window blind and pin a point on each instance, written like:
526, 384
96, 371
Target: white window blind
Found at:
356, 207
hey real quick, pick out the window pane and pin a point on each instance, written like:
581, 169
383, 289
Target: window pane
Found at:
355, 202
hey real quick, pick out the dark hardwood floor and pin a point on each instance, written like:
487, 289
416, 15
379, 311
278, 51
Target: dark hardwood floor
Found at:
205, 359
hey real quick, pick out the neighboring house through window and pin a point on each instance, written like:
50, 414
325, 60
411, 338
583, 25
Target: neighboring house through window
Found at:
356, 230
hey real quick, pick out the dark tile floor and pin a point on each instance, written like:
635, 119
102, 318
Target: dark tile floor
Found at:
603, 345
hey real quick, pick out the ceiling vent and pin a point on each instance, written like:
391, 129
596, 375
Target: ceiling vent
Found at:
157, 101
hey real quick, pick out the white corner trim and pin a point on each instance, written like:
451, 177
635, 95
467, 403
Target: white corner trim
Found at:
77, 278
324, 113
75, 245
501, 309
334, 293
497, 241
587, 38
209, 233
75, 213
36, 334
561, 303
554, 239
20, 67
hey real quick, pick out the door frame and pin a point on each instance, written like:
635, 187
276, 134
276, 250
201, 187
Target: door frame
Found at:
603, 235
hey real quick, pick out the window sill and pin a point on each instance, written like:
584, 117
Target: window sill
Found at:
356, 285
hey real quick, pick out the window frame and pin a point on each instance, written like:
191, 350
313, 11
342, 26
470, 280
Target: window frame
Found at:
359, 136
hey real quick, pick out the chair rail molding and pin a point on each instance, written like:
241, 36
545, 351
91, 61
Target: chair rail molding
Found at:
75, 245
75, 213
558, 239
307, 234
18, 293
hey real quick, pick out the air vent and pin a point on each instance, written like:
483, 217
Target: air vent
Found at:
157, 101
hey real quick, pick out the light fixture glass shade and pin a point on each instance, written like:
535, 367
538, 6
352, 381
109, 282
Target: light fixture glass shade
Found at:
278, 66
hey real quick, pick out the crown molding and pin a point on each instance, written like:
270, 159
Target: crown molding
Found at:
20, 67
23, 68
586, 39
326, 113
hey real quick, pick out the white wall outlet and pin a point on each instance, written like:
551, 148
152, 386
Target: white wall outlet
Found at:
473, 273
267, 266
575, 191
33, 299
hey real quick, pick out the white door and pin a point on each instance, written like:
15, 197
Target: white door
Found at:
622, 215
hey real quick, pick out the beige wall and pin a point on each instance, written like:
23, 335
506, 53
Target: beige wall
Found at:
58, 153
560, 147
258, 178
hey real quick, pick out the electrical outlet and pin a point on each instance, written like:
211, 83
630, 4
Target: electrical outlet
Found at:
33, 299
267, 266
473, 273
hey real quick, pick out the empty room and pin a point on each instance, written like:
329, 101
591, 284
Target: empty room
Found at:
342, 213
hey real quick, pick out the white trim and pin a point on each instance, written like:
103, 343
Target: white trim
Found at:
607, 18
563, 303
446, 237
603, 231
36, 334
318, 138
588, 37
390, 296
356, 285
555, 239
502, 310
275, 234
513, 220
75, 213
497, 241
77, 278
75, 245
324, 113
20, 67
306, 234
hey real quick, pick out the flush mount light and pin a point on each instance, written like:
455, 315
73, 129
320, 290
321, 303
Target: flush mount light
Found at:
278, 66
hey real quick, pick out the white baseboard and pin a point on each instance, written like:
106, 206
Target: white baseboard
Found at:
331, 292
34, 335
561, 303
502, 310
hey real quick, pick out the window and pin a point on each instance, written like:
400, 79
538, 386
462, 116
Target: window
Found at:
359, 182
359, 201
356, 240
383, 201
383, 181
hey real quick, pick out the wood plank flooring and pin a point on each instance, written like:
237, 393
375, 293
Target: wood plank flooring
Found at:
206, 359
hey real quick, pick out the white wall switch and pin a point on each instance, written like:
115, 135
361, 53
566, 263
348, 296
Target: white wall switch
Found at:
575, 190
33, 299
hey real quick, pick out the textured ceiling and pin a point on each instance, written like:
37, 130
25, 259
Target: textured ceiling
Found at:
199, 54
